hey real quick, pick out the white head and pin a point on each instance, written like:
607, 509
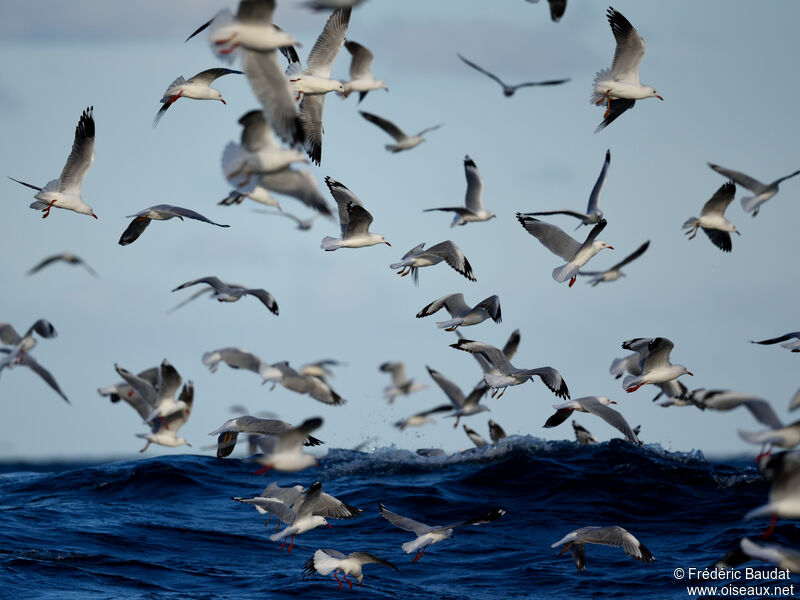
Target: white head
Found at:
652, 93
600, 244
218, 96
605, 400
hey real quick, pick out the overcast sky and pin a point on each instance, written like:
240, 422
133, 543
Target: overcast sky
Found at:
728, 75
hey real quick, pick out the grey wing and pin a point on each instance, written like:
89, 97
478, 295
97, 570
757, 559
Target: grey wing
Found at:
402, 522
450, 389
474, 185
143, 387
616, 107
492, 515
658, 351
311, 119
297, 184
572, 213
214, 282
492, 306
328, 44
551, 237
190, 214
266, 298
541, 83
613, 418
453, 303
34, 365
619, 537
595, 232
82, 155
550, 377
256, 132
343, 197
45, 262
271, 87
482, 70
236, 358
210, 75
169, 381
630, 258
510, 349
276, 507
453, 256
720, 200
398, 371
429, 129
310, 501
296, 437
389, 127
367, 558
630, 48
781, 338
9, 335
359, 220
362, 60
492, 355
328, 506
134, 229
255, 11
740, 178
598, 185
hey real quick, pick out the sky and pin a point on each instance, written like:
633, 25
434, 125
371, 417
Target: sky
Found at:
727, 75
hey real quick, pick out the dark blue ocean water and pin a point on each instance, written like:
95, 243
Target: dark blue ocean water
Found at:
166, 528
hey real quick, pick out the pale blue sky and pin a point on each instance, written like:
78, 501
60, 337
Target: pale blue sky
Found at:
728, 76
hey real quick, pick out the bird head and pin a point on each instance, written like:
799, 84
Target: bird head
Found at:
653, 93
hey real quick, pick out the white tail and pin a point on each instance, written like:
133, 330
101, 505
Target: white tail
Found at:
750, 203
331, 243
234, 158
567, 271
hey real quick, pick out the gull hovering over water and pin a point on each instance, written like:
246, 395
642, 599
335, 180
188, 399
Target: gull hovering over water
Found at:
229, 432
354, 221
793, 346
593, 214
712, 219
473, 212
508, 90
66, 257
361, 79
656, 367
197, 87
65, 192
615, 272
762, 192
562, 244
446, 251
595, 405
159, 212
619, 86
605, 536
462, 314
329, 560
224, 292
404, 141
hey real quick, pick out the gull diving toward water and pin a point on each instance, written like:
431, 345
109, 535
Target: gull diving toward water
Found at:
762, 192
473, 212
328, 560
593, 214
615, 272
508, 90
66, 257
160, 212
712, 219
656, 367
462, 314
605, 536
224, 292
595, 405
418, 257
463, 406
562, 244
432, 534
354, 221
197, 87
229, 432
361, 79
65, 192
401, 384
793, 346
619, 87
404, 141
503, 374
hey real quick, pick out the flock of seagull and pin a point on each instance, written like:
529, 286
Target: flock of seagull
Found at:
292, 99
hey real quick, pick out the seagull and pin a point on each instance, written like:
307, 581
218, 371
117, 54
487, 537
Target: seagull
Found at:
787, 559
159, 212
475, 437
255, 191
20, 344
427, 534
557, 8
446, 251
474, 211
155, 393
509, 349
712, 218
27, 360
224, 292
762, 192
593, 214
319, 369
126, 392
496, 432
315, 82
656, 367
583, 436
783, 436
633, 364
65, 192
285, 453
508, 90
361, 79
258, 151
404, 141
595, 405
354, 220
504, 374
197, 87
463, 406
305, 384
619, 86
164, 429
66, 257
229, 432
462, 314
615, 272
299, 184
783, 470
422, 418
793, 346
724, 400
401, 384
328, 560
605, 536
562, 244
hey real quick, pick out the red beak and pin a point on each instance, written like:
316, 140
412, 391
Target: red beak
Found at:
223, 101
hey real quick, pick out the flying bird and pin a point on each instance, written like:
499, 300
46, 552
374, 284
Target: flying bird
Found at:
792, 346
20, 344
619, 86
354, 221
361, 79
65, 192
562, 244
595, 405
762, 192
159, 212
422, 418
293, 497
655, 367
229, 432
615, 272
238, 358
473, 212
463, 406
401, 384
712, 219
197, 87
285, 453
446, 251
404, 141
475, 437
583, 436
463, 315
509, 89
66, 257
224, 292
328, 560
605, 536
496, 433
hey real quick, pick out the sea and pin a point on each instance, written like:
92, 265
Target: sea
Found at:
168, 527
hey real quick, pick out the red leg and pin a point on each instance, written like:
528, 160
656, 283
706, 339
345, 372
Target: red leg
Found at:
344, 576
419, 554
225, 41
291, 545
336, 576
574, 277
283, 544
46, 211
771, 529
262, 470
229, 50
634, 388
163, 422
458, 418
